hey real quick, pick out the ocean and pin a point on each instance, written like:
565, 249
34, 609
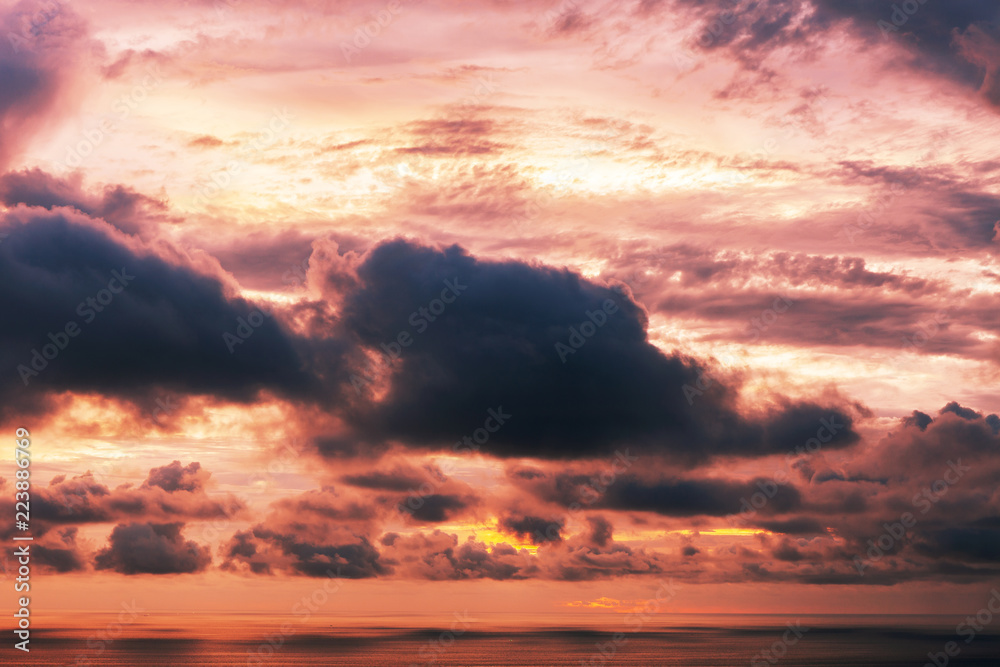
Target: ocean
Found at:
703, 641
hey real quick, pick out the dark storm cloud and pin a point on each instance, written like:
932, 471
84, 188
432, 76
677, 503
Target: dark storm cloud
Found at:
955, 39
600, 530
881, 523
495, 347
356, 561
438, 556
693, 497
962, 544
506, 337
438, 507
942, 35
787, 551
957, 431
151, 548
918, 419
535, 528
668, 497
164, 328
965, 413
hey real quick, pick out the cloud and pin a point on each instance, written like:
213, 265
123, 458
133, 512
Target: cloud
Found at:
399, 479
43, 43
693, 497
175, 477
151, 548
164, 329
439, 557
318, 532
811, 530
438, 507
265, 551
59, 552
535, 528
877, 523
206, 141
496, 347
314, 534
119, 206
957, 40
169, 492
508, 341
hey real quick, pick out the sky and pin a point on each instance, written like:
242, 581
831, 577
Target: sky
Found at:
517, 307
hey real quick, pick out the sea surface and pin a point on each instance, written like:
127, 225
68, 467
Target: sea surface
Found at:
709, 640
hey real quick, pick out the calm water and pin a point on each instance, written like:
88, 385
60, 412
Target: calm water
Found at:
703, 642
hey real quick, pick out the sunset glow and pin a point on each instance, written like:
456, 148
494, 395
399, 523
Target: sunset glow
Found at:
549, 311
